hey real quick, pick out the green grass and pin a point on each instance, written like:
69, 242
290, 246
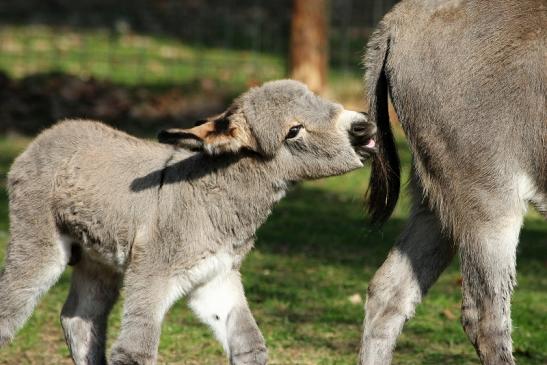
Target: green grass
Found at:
138, 59
313, 254
127, 58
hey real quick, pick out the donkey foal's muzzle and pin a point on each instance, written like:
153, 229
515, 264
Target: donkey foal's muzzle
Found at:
363, 136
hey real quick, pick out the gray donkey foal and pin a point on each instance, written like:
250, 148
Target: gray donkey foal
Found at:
171, 222
468, 80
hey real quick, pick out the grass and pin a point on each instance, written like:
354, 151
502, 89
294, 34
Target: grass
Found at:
305, 281
136, 59
127, 58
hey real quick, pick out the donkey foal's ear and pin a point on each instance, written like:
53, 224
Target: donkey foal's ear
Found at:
180, 137
214, 137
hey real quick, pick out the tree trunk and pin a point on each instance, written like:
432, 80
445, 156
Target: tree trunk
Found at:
309, 43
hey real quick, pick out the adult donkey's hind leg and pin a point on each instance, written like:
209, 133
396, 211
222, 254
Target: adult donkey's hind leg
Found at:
488, 280
413, 265
488, 259
94, 290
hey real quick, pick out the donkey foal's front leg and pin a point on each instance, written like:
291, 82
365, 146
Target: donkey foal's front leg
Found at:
221, 304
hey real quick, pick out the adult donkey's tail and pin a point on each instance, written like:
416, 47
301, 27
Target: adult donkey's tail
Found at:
383, 190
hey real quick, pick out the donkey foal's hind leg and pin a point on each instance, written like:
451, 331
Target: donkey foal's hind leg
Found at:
413, 265
34, 262
94, 290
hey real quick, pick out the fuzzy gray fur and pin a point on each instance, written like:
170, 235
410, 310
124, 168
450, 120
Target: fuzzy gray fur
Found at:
468, 81
169, 222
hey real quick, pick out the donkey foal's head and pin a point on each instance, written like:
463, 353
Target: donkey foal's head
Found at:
283, 121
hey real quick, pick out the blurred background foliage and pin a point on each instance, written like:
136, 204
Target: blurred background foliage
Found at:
142, 65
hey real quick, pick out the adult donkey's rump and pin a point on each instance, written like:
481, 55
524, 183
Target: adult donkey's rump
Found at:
468, 82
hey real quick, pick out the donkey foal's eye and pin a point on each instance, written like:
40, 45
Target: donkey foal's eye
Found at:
293, 132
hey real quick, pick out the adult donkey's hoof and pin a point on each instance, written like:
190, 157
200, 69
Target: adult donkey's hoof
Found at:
253, 357
123, 357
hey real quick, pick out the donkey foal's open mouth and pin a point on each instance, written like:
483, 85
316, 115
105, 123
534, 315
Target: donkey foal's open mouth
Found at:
363, 137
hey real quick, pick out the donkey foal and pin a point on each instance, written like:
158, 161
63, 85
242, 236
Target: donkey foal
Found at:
171, 222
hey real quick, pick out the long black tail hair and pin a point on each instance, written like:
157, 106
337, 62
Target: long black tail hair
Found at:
385, 180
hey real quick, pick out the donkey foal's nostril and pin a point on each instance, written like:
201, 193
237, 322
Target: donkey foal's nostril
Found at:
360, 129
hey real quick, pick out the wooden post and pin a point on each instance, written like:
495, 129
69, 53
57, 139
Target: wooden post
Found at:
309, 43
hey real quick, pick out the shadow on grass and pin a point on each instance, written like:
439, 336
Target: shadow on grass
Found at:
332, 228
327, 227
33, 103
4, 213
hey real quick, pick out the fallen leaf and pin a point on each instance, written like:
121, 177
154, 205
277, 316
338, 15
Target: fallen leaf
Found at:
355, 299
447, 313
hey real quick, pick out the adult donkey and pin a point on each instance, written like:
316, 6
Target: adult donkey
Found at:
468, 82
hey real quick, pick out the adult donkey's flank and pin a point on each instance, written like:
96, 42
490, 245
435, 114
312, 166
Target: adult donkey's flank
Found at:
171, 221
468, 80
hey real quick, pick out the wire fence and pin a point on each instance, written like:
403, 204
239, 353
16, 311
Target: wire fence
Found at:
171, 41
